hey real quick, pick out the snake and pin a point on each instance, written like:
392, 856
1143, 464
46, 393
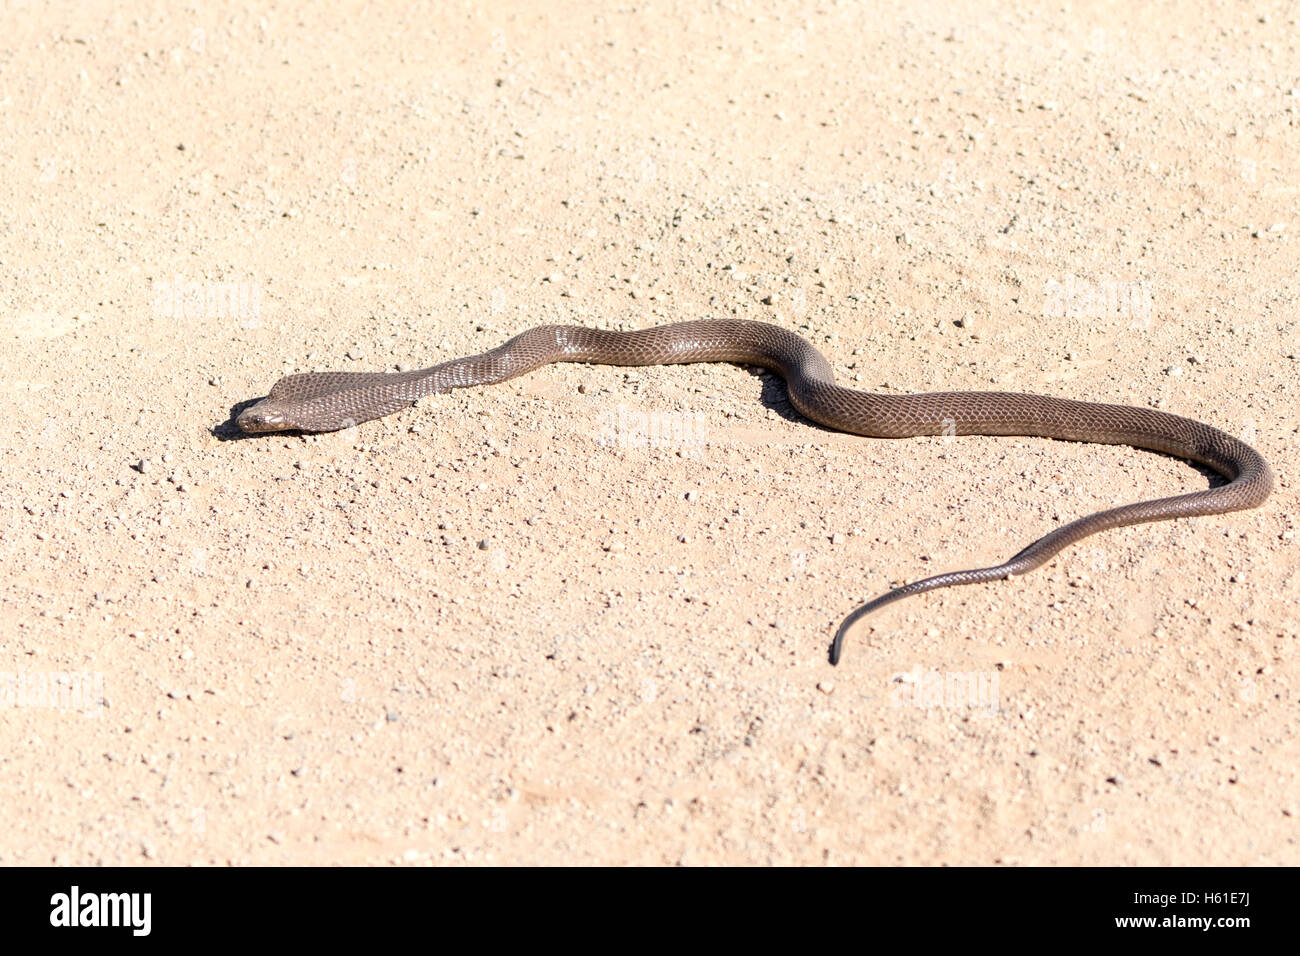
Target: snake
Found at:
327, 401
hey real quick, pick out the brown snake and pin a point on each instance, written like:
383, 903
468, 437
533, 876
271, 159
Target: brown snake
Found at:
326, 401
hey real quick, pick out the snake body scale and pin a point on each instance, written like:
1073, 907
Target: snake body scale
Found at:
326, 401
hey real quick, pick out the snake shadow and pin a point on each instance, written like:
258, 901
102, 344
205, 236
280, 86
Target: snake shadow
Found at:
229, 430
774, 395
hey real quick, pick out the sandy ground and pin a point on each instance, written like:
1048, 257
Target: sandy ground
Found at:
583, 617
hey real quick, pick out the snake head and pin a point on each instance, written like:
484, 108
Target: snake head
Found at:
261, 418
